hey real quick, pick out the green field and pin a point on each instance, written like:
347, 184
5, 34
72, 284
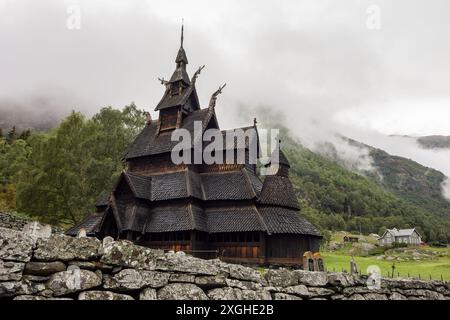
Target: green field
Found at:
436, 268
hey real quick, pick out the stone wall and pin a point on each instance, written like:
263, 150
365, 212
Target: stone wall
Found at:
61, 267
10, 221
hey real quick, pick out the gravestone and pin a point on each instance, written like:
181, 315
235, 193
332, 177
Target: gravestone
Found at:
318, 262
353, 267
308, 261
82, 233
37, 230
107, 241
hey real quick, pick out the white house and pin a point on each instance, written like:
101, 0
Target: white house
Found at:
408, 236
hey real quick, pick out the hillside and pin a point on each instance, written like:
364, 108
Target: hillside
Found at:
338, 199
409, 180
412, 182
435, 142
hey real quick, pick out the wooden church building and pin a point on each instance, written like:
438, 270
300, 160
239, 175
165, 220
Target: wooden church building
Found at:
207, 210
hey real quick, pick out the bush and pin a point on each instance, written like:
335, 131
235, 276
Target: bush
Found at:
381, 250
378, 251
437, 244
398, 245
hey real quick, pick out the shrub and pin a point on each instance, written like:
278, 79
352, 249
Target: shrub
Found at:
437, 244
399, 245
378, 251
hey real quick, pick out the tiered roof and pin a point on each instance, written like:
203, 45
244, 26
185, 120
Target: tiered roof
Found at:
233, 199
149, 142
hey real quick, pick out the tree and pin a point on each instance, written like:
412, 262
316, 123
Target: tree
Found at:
25, 134
12, 135
7, 198
382, 230
73, 164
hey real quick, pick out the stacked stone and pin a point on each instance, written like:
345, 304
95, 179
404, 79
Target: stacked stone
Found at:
12, 222
62, 267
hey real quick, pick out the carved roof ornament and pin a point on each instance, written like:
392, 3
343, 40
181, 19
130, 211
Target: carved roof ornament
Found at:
163, 81
148, 118
196, 74
212, 101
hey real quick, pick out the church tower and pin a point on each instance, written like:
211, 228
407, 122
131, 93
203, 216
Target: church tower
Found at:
211, 210
180, 97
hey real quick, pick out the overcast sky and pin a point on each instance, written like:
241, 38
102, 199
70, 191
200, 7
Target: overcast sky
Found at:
364, 68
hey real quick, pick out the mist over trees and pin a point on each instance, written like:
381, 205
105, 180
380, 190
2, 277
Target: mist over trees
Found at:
56, 176
335, 198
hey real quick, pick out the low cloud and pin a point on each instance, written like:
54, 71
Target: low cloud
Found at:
316, 64
37, 112
446, 189
354, 158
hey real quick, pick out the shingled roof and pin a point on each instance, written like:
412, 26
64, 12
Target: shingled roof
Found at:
282, 220
140, 185
149, 142
251, 137
278, 191
91, 224
103, 199
278, 157
234, 219
180, 74
175, 218
168, 100
230, 185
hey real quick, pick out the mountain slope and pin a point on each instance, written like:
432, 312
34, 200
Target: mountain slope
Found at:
409, 180
335, 198
412, 182
434, 142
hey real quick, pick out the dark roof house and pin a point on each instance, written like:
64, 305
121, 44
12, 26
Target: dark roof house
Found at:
208, 210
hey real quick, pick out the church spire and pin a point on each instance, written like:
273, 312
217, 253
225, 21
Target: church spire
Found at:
180, 88
182, 33
180, 73
181, 56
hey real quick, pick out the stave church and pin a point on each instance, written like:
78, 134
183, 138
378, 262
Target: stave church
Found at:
217, 210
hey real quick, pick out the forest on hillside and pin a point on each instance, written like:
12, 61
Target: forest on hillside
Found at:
335, 198
56, 176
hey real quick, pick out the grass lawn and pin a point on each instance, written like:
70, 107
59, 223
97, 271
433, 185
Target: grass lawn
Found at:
435, 268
